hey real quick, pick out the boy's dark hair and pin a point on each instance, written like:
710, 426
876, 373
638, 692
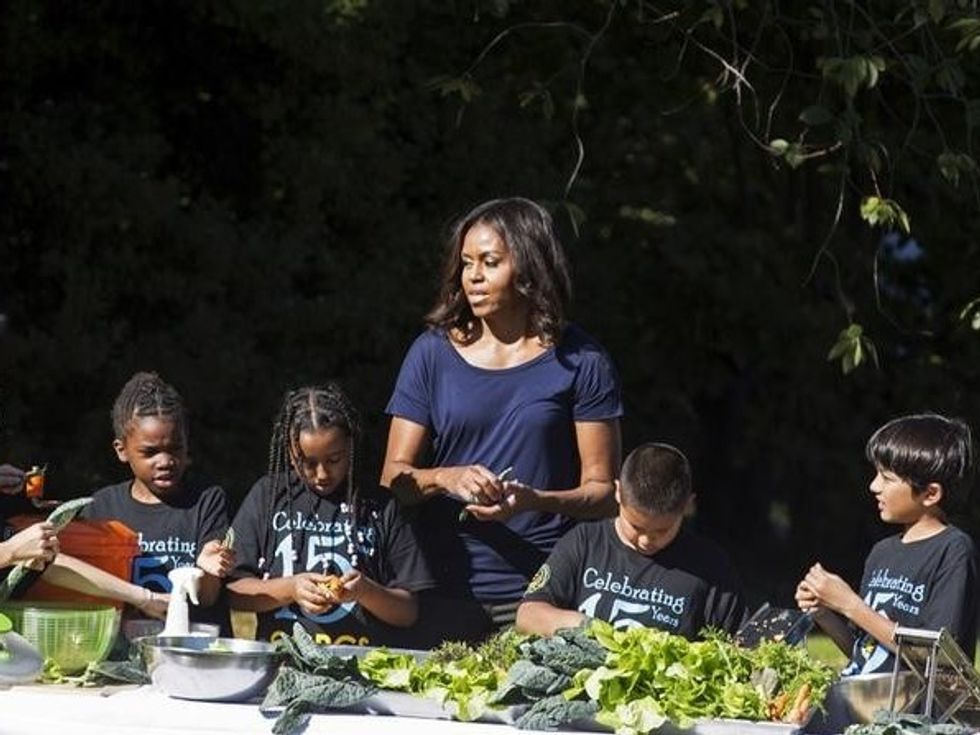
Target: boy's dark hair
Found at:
147, 394
924, 448
542, 269
311, 408
656, 478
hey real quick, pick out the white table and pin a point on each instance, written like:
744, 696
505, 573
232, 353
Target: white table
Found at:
30, 710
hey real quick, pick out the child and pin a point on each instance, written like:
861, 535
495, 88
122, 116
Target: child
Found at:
642, 567
178, 525
310, 548
922, 577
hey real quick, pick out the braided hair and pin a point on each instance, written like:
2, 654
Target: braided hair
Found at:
310, 409
147, 394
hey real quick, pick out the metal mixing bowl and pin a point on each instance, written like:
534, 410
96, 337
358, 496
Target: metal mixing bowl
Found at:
213, 669
855, 699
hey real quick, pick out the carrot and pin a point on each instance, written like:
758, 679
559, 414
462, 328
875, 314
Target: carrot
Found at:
801, 705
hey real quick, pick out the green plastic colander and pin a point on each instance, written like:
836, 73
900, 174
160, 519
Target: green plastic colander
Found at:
70, 634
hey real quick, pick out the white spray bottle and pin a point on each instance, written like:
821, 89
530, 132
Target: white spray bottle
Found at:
184, 583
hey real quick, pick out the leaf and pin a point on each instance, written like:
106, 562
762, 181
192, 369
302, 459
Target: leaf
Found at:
885, 213
816, 115
778, 146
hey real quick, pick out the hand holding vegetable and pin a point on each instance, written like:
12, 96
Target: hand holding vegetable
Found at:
471, 484
35, 546
216, 559
310, 592
517, 498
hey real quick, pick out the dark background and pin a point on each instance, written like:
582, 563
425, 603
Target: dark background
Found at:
250, 196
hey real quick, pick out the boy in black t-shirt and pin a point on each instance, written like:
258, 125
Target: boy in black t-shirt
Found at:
178, 524
642, 567
923, 577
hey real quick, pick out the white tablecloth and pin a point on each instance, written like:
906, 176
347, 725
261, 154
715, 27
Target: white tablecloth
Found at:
60, 710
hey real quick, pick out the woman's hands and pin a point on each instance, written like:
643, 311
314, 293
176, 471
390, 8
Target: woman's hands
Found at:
517, 498
35, 546
472, 484
216, 559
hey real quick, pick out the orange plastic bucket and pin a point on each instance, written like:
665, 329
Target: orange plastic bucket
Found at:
108, 545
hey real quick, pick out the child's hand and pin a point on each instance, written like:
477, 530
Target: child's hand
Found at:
11, 479
806, 599
828, 590
35, 546
309, 595
352, 585
216, 559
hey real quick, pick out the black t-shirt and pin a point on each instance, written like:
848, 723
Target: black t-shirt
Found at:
929, 584
301, 531
682, 588
170, 535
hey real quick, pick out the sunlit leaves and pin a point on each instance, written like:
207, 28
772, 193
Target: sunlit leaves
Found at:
792, 153
972, 312
853, 72
969, 30
463, 86
852, 348
887, 213
648, 216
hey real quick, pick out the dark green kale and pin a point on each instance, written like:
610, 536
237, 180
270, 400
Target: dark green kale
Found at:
555, 711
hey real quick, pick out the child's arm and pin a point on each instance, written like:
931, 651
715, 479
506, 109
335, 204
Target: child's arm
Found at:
79, 576
216, 560
822, 589
252, 594
543, 618
390, 605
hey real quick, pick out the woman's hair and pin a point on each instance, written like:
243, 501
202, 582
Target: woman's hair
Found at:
312, 408
656, 478
144, 395
922, 449
542, 275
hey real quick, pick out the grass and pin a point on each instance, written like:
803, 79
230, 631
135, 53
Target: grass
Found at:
823, 649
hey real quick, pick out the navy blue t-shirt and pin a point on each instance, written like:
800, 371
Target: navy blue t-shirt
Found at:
521, 417
931, 584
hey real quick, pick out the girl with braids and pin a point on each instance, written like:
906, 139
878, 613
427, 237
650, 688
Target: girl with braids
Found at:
178, 524
311, 548
519, 408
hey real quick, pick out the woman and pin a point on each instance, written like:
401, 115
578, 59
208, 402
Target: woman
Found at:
501, 385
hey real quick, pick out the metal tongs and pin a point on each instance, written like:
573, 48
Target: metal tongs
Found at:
774, 624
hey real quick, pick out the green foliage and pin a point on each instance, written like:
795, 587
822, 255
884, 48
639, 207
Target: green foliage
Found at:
879, 212
852, 348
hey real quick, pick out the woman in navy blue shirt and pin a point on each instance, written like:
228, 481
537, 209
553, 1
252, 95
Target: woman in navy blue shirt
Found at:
505, 418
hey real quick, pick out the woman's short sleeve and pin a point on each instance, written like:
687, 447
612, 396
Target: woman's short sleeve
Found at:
411, 398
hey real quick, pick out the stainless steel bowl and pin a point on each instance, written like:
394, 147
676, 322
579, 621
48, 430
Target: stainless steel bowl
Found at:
212, 669
855, 699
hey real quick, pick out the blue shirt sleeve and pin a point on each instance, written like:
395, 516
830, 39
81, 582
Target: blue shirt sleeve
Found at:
411, 397
597, 395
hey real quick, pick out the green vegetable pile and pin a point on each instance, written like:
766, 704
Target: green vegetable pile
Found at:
632, 681
650, 676
889, 723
